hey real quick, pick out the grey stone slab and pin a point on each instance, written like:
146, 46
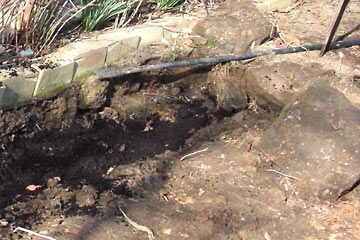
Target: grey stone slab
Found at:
120, 49
273, 5
13, 91
88, 62
316, 139
53, 81
174, 24
150, 34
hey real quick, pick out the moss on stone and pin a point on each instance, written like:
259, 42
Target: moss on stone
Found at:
54, 91
83, 76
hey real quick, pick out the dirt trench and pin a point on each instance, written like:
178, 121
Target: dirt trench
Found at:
74, 155
176, 150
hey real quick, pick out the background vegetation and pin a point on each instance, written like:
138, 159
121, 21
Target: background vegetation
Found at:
36, 24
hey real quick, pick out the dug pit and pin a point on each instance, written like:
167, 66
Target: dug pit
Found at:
185, 154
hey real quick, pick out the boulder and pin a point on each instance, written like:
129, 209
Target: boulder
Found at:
273, 84
226, 85
316, 139
234, 26
92, 94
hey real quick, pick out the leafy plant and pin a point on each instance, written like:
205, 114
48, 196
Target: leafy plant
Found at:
36, 24
33, 23
170, 5
101, 12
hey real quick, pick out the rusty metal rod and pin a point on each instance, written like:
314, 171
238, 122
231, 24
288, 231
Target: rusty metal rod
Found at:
118, 72
334, 27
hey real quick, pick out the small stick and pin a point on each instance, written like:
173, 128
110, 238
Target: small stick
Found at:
33, 233
282, 174
133, 14
190, 154
150, 233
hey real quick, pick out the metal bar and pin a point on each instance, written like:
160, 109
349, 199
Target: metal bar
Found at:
117, 72
334, 27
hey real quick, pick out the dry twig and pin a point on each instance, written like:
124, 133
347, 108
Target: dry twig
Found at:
191, 154
149, 232
282, 174
33, 233
132, 15
47, 43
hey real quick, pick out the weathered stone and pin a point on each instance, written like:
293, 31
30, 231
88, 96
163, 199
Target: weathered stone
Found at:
235, 26
92, 94
51, 82
227, 87
120, 49
79, 49
272, 85
174, 24
147, 34
86, 196
88, 62
150, 34
116, 35
316, 139
273, 5
17, 90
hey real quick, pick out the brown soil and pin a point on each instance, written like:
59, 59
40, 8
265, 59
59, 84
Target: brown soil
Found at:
66, 171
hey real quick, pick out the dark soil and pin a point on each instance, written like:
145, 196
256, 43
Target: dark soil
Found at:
82, 160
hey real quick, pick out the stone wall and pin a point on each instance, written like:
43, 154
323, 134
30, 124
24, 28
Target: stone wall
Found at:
78, 60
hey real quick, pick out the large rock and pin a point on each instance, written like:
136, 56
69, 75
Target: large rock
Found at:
227, 86
316, 139
273, 84
92, 94
235, 26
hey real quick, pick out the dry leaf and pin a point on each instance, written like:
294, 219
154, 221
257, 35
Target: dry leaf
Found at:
167, 231
290, 40
267, 236
279, 43
317, 225
184, 199
201, 191
33, 187
189, 42
3, 223
109, 171
148, 127
122, 148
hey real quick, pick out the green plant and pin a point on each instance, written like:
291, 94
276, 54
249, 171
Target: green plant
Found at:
170, 5
101, 12
204, 48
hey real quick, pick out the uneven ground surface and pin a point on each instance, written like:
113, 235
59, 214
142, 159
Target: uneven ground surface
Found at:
71, 164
